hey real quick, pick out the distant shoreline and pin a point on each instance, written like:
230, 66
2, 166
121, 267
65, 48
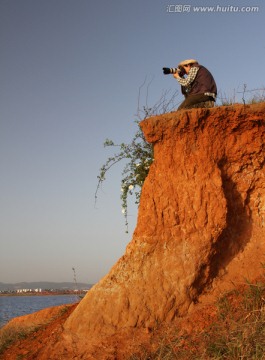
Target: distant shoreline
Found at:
46, 293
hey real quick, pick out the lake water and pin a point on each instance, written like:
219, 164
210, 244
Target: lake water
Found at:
13, 306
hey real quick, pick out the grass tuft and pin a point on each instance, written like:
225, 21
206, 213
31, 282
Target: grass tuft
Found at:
11, 334
238, 331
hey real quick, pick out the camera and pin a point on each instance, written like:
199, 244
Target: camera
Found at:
180, 70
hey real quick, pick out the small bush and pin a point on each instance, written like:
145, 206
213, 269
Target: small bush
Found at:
138, 156
10, 334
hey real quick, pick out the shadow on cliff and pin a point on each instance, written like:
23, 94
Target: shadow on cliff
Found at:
234, 236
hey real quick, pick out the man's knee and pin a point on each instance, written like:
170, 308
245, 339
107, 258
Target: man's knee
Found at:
202, 104
205, 104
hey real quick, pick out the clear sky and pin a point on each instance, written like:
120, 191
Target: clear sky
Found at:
70, 73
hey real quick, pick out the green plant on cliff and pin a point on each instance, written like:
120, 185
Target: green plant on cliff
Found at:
138, 154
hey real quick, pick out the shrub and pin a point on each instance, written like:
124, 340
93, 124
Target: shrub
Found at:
138, 155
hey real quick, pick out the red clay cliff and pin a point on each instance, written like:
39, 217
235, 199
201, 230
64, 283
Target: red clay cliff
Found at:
200, 230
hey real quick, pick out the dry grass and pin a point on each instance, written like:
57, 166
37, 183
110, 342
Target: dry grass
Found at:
237, 333
11, 334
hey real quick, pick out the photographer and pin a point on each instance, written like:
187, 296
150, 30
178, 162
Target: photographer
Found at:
198, 87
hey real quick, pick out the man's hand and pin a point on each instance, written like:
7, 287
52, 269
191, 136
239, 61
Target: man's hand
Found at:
176, 75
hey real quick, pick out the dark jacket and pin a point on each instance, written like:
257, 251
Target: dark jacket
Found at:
203, 83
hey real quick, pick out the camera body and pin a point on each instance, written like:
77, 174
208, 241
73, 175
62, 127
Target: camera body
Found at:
180, 70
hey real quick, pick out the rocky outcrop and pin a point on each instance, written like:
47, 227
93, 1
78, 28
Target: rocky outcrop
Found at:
200, 229
201, 221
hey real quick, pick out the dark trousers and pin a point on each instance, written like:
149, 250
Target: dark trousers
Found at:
197, 101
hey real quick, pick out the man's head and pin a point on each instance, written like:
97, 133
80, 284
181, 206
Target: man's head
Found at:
187, 64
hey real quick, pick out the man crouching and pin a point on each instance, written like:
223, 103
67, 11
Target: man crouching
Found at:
198, 86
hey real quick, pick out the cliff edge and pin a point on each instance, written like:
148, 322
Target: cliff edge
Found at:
200, 228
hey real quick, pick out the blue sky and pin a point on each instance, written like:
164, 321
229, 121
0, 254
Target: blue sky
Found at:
70, 73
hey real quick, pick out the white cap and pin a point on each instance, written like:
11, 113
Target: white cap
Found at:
187, 62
